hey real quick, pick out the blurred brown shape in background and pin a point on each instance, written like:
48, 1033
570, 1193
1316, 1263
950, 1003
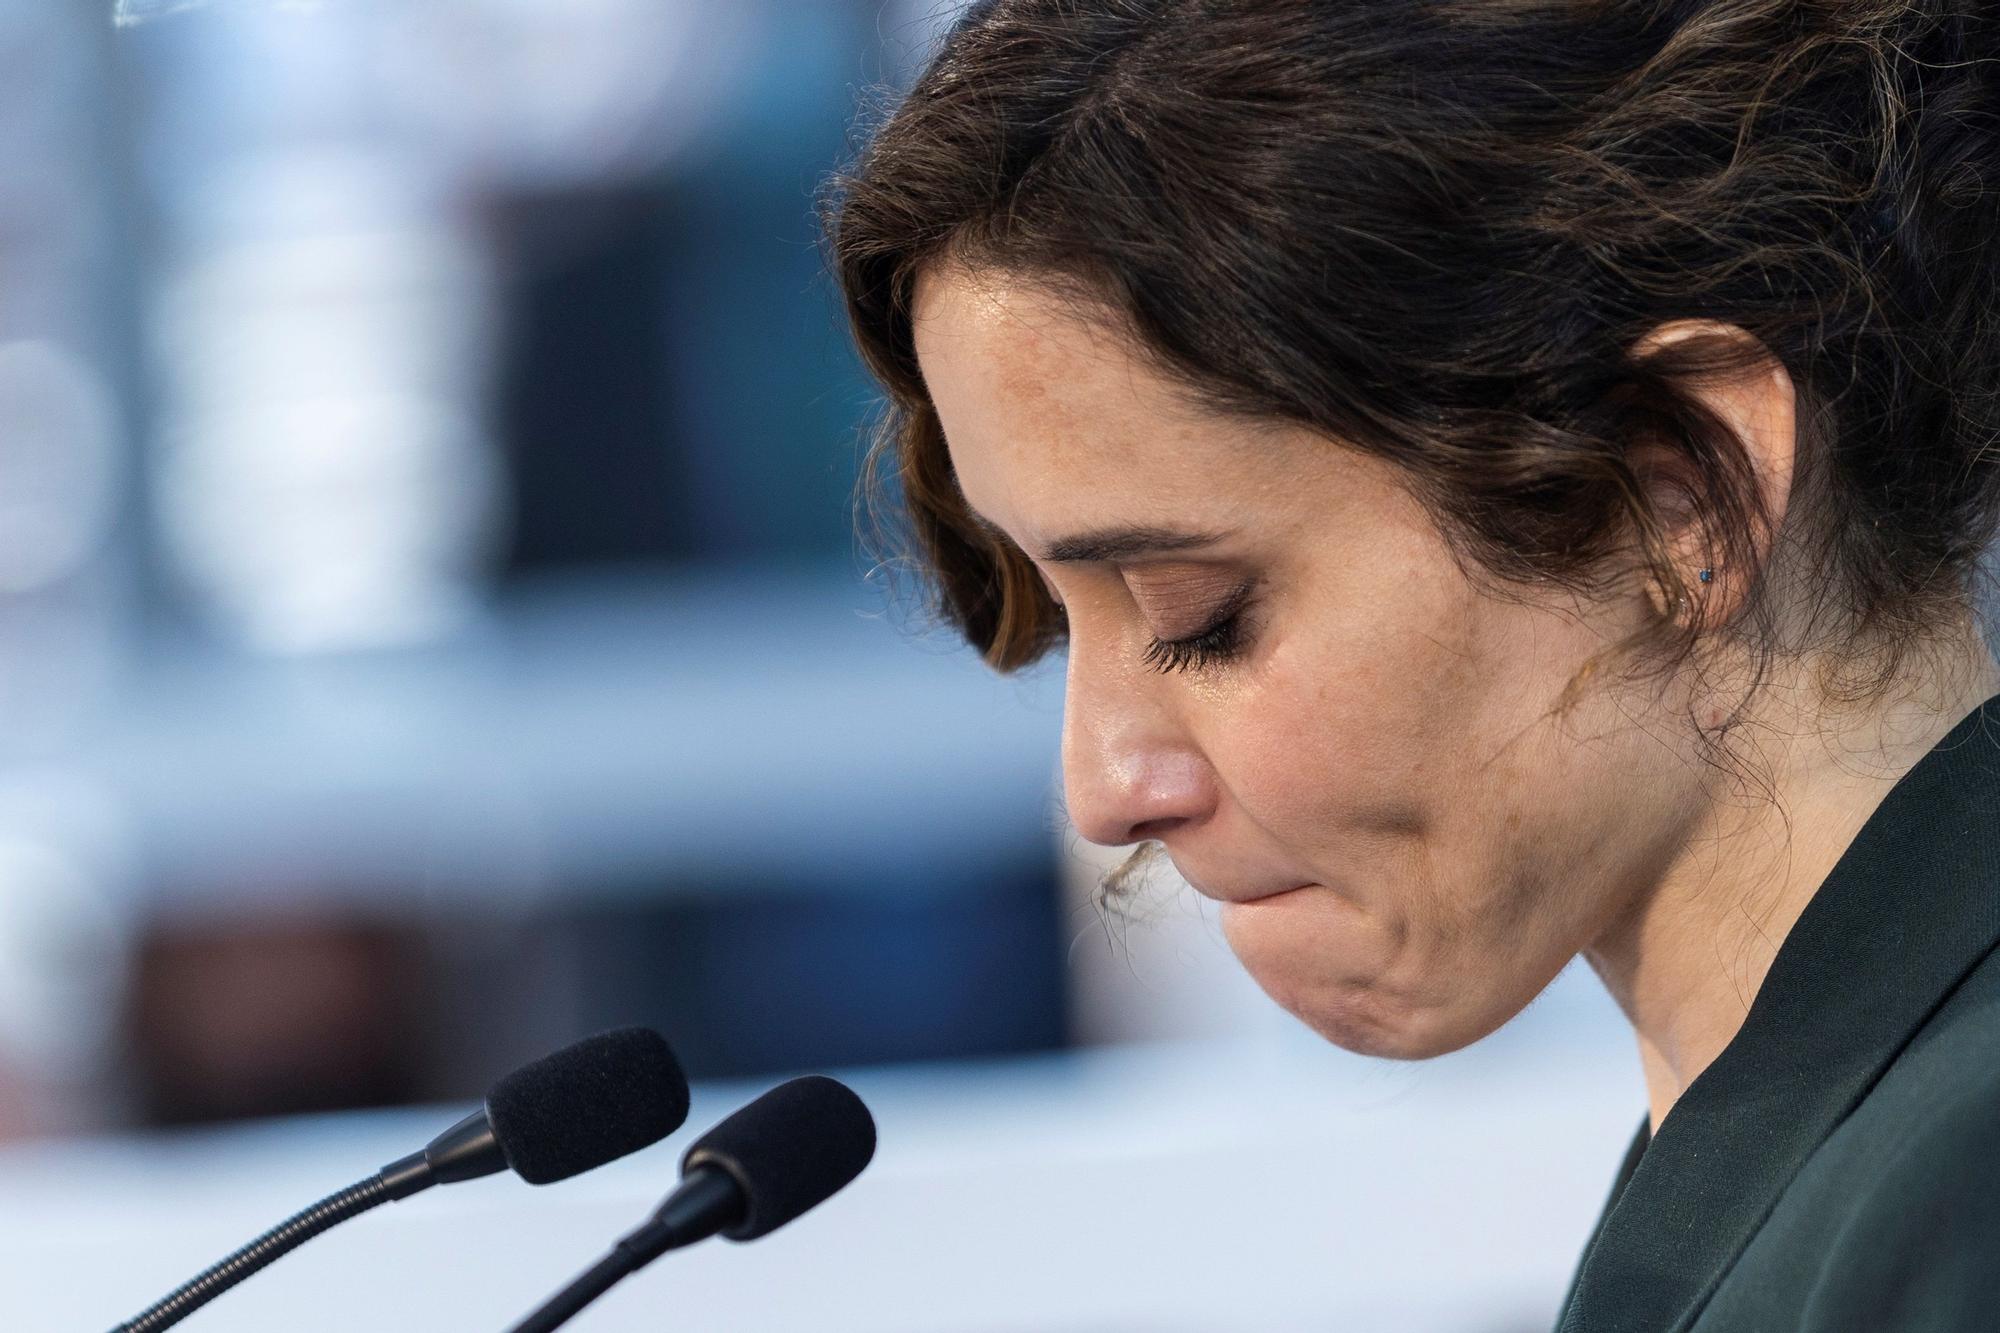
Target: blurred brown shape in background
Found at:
274, 1016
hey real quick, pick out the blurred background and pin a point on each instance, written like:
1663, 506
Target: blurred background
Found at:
432, 628
432, 619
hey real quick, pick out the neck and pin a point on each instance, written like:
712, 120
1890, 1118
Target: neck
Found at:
1685, 961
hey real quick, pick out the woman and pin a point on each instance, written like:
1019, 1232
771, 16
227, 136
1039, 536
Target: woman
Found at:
1510, 477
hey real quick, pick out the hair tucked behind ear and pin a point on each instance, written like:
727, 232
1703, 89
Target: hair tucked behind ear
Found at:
1434, 230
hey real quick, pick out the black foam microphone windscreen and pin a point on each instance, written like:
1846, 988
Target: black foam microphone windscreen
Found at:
788, 1151
587, 1104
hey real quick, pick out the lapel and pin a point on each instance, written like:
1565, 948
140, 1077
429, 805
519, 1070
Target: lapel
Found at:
1910, 907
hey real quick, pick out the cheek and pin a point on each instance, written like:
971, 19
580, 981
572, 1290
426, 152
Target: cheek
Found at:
1362, 722
1399, 758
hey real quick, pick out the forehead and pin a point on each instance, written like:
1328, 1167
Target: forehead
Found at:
1050, 416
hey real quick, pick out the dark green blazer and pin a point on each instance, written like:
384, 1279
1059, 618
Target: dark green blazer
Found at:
1838, 1165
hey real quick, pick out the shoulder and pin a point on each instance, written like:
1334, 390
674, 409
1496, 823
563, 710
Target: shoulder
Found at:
1913, 1240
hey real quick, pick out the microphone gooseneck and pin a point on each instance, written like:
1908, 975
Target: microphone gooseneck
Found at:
705, 1201
779, 1156
279, 1241
578, 1108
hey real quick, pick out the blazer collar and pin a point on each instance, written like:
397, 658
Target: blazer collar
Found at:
1908, 909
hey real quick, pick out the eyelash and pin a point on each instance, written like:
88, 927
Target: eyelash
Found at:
1222, 642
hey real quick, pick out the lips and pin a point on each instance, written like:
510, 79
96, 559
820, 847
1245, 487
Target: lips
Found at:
1267, 897
1240, 893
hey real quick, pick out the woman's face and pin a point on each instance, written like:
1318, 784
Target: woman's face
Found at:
1358, 764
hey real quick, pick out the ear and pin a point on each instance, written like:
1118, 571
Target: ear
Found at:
1757, 403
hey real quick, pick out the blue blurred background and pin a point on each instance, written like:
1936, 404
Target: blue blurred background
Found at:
434, 621
432, 628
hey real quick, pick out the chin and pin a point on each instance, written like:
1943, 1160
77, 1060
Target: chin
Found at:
1388, 1036
1304, 967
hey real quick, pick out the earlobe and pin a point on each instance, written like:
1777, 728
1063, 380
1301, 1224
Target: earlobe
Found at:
1671, 488
1749, 390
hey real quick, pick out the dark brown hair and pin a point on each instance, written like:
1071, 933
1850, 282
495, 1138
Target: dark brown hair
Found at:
1434, 230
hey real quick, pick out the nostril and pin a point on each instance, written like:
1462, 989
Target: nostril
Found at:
1154, 829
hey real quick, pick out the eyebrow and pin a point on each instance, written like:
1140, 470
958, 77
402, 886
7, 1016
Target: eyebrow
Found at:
1124, 542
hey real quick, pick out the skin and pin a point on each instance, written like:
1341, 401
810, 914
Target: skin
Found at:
1408, 838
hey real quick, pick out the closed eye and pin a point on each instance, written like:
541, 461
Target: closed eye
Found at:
1223, 641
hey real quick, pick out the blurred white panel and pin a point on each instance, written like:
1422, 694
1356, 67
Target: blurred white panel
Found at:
128, 12
58, 463
324, 478
319, 523
555, 93
323, 303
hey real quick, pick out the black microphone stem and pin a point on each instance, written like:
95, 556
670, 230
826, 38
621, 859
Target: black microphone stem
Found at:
591, 1102
707, 1200
593, 1282
267, 1249
460, 1153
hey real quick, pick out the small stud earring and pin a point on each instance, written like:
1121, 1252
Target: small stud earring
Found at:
1680, 599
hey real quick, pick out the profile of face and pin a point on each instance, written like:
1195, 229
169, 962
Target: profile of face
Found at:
1276, 670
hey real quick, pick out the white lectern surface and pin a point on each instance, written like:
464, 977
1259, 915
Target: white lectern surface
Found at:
1273, 1186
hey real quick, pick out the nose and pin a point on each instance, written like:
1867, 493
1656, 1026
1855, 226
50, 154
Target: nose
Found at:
1130, 772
